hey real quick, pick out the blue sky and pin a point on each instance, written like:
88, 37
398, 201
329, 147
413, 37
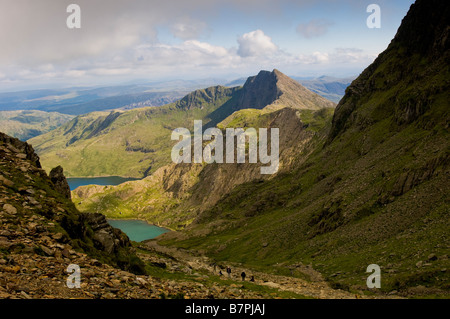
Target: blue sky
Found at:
159, 40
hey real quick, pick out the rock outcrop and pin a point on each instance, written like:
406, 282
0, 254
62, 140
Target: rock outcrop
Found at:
59, 180
21, 149
259, 91
106, 238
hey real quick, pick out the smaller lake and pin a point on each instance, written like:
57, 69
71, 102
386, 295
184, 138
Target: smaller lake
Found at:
75, 182
137, 230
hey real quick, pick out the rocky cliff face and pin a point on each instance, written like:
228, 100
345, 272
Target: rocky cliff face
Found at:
215, 181
259, 91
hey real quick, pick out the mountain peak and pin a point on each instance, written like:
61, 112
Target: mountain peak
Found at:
275, 88
277, 73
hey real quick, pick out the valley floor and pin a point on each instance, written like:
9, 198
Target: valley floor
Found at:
316, 287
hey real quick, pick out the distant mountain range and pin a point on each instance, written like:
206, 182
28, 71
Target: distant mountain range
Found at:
278, 102
329, 87
77, 101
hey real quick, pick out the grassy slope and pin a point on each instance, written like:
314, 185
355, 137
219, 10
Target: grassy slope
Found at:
27, 124
134, 143
144, 199
396, 235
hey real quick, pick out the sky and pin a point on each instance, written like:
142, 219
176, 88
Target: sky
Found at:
144, 40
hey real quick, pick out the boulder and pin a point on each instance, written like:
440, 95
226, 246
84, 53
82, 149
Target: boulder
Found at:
10, 209
6, 181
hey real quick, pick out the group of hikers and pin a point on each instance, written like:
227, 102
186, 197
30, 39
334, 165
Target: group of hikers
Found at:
228, 270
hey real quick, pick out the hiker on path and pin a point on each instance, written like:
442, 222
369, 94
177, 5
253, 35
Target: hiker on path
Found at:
252, 279
243, 276
229, 272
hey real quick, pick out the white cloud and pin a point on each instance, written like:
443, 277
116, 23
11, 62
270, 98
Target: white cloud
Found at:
74, 73
191, 58
352, 55
255, 43
119, 39
191, 54
314, 28
35, 32
188, 28
338, 56
320, 57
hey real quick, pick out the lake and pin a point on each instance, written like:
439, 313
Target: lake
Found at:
137, 230
75, 182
